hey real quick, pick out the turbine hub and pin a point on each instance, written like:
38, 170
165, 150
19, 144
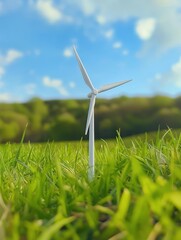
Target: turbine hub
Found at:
95, 92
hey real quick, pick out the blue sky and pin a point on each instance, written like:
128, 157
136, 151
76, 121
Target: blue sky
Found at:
116, 40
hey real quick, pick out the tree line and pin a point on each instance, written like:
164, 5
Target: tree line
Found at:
57, 120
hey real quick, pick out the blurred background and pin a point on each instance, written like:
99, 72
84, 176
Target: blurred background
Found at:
40, 82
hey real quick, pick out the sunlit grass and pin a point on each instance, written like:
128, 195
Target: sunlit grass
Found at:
45, 192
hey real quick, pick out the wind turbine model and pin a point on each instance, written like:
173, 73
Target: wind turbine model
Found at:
90, 119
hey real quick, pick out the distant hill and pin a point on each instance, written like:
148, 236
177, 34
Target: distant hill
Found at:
58, 120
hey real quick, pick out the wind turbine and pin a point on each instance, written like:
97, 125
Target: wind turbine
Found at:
90, 119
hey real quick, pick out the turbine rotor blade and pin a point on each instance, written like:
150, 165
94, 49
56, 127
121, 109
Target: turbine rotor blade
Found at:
83, 71
91, 109
112, 85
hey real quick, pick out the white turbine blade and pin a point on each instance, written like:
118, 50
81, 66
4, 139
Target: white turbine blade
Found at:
112, 85
91, 109
83, 71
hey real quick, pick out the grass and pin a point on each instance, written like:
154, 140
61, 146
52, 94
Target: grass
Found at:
45, 193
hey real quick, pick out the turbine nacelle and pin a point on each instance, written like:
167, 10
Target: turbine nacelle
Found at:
95, 92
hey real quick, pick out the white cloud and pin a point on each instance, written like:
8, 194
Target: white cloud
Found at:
176, 73
109, 33
5, 97
10, 57
56, 84
172, 77
68, 52
161, 35
50, 12
101, 19
72, 85
145, 28
176, 68
157, 22
86, 6
117, 44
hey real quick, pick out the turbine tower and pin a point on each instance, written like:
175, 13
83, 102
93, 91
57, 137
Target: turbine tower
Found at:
90, 118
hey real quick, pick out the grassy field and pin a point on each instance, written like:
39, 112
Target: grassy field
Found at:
136, 193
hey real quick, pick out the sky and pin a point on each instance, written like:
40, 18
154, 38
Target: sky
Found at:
116, 40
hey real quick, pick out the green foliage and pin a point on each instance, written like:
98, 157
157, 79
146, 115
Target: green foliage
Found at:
12, 125
66, 119
169, 116
135, 194
65, 127
8, 131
